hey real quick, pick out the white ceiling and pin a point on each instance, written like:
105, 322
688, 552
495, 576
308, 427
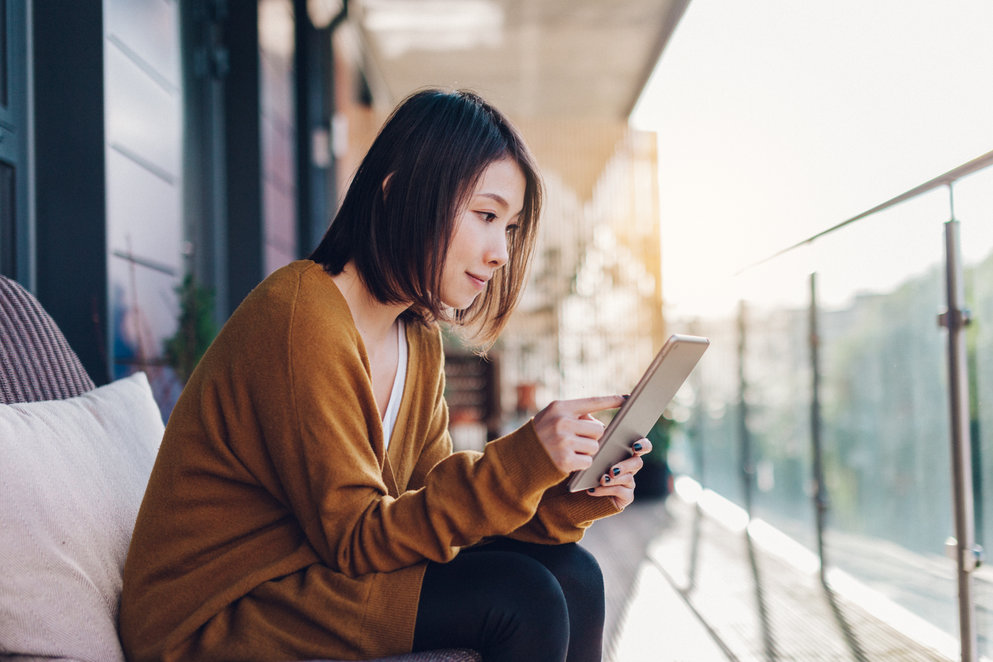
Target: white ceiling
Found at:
582, 59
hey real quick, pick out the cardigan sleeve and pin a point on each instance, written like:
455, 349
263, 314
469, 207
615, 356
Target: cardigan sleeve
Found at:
325, 445
561, 516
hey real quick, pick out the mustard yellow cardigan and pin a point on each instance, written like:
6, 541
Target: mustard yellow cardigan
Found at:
275, 527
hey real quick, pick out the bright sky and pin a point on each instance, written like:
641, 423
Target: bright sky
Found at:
779, 118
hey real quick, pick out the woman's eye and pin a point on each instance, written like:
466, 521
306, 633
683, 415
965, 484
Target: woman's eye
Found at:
487, 216
512, 228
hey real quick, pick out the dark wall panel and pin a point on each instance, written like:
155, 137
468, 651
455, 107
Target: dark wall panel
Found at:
70, 187
243, 164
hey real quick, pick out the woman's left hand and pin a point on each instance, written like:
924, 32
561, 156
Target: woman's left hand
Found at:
618, 482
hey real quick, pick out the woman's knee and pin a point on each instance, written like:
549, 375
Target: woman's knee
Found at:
507, 605
587, 569
579, 580
537, 614
577, 572
534, 590
576, 560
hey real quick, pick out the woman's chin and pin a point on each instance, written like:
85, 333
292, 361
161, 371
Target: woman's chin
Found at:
461, 303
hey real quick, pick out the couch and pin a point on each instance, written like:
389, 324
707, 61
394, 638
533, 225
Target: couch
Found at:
74, 462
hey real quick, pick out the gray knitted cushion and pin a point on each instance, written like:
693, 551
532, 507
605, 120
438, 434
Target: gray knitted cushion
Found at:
453, 655
36, 362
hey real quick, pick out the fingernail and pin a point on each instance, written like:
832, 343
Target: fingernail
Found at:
591, 490
606, 478
616, 471
637, 446
626, 396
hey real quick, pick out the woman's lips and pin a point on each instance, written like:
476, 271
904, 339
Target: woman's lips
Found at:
478, 282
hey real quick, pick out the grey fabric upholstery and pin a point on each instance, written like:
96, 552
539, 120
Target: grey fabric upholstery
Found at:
36, 364
453, 655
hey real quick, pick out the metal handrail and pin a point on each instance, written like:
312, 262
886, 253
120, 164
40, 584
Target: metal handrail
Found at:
947, 179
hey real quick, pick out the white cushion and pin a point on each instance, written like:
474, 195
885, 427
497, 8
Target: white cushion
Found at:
72, 475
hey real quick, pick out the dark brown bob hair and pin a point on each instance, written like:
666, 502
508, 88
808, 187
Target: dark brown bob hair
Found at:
399, 212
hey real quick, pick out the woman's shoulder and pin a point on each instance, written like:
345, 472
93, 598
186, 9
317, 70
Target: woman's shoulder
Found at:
292, 279
301, 285
300, 295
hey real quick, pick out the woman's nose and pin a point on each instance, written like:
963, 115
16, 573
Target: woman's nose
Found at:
497, 252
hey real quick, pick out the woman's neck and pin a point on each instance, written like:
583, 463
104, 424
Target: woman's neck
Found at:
373, 318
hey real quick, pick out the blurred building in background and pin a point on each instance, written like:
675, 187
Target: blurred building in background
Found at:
144, 140
594, 303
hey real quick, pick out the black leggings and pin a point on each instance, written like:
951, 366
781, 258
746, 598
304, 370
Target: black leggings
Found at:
514, 601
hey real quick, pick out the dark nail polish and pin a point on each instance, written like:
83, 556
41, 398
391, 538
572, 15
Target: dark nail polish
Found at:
591, 490
637, 446
606, 478
616, 471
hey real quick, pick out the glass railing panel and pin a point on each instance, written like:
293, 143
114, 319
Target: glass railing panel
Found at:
884, 396
777, 393
974, 209
885, 409
704, 442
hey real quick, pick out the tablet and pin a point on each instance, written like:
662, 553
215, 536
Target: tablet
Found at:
672, 365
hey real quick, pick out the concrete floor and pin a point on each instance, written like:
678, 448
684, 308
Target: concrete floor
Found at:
682, 586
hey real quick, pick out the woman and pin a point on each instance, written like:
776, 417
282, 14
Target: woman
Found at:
306, 502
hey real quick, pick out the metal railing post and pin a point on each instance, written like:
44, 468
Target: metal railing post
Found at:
967, 554
820, 492
697, 432
744, 438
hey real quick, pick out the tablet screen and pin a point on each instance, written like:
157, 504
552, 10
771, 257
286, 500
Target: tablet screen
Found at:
672, 365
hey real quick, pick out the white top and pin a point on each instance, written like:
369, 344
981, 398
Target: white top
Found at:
396, 395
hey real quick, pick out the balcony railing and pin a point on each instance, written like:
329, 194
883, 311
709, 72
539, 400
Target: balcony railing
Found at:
849, 400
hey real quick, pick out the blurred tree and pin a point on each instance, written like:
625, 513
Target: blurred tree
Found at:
196, 328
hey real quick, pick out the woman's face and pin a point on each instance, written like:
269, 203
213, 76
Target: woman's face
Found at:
482, 231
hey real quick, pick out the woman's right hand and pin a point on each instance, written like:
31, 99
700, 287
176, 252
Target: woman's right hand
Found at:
569, 433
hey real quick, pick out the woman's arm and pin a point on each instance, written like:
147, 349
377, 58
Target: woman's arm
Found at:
561, 516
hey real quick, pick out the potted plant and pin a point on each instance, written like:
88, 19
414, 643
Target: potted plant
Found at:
195, 331
654, 481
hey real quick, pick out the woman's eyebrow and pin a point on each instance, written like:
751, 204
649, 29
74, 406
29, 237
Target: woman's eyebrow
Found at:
496, 197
